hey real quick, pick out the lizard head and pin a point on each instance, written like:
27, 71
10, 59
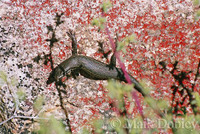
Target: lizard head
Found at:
55, 75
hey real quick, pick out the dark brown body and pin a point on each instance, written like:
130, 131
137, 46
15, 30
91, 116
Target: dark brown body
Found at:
90, 68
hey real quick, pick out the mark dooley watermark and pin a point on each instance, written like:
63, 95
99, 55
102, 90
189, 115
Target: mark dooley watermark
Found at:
158, 123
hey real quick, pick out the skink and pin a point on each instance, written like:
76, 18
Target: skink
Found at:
92, 69
89, 68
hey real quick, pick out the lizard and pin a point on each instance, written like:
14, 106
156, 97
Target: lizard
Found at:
90, 68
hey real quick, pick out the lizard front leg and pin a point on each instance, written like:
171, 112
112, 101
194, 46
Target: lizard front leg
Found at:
71, 34
74, 42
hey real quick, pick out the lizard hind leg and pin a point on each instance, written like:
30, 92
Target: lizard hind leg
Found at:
113, 58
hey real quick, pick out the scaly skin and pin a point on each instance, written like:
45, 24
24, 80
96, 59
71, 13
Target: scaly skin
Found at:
92, 69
